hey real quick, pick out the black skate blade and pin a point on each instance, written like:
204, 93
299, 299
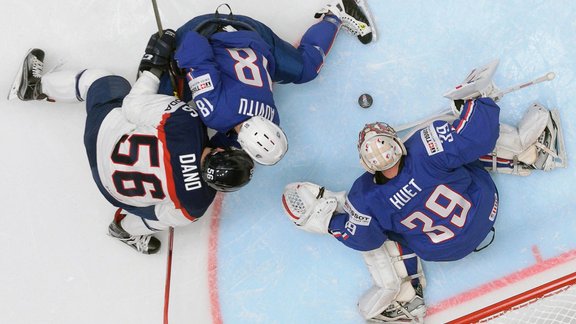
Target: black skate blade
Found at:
13, 94
21, 79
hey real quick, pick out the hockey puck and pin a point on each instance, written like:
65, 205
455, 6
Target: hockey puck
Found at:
365, 100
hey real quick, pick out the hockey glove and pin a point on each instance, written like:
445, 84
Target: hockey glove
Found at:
158, 53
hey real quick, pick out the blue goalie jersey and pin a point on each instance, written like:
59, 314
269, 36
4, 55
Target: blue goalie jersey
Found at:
442, 204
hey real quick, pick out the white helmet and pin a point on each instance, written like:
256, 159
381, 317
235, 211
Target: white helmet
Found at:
379, 147
263, 140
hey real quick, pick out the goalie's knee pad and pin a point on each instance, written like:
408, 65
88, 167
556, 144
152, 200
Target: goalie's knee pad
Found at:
392, 283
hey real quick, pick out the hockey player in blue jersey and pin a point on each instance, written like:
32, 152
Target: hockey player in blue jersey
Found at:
149, 153
231, 61
428, 198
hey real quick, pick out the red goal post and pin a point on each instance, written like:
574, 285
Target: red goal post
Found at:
555, 300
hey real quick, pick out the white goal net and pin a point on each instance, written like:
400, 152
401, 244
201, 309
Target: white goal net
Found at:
553, 302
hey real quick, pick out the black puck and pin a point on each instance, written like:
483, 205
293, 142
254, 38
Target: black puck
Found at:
365, 100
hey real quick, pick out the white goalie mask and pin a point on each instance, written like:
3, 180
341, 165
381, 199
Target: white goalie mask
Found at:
263, 140
379, 147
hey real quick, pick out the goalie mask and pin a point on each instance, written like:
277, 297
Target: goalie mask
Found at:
379, 147
263, 140
227, 170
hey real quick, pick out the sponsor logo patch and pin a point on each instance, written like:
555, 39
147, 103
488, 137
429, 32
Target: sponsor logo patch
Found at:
201, 84
355, 216
431, 140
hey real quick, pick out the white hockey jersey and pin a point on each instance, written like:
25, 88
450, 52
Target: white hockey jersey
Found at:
149, 153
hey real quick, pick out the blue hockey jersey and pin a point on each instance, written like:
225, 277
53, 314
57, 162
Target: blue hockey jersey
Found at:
442, 204
229, 77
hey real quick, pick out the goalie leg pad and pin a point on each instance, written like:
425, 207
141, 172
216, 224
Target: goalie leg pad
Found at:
537, 143
306, 206
392, 283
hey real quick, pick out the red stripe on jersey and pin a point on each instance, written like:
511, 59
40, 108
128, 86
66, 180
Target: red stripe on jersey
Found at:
464, 120
489, 158
168, 169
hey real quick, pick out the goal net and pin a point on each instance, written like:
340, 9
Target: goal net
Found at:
553, 302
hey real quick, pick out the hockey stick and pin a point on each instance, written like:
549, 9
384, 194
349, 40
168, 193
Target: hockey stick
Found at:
160, 32
157, 15
446, 113
171, 229
168, 273
547, 77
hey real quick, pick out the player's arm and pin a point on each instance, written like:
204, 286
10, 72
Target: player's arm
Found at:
196, 57
355, 229
469, 137
143, 106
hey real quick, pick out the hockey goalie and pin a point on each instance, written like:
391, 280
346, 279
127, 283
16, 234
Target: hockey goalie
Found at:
430, 197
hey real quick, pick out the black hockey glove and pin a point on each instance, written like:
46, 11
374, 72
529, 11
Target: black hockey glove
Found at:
158, 53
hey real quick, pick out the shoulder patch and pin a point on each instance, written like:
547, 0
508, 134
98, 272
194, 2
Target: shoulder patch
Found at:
431, 140
355, 216
201, 84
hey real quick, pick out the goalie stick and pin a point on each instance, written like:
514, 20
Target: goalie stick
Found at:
364, 6
448, 113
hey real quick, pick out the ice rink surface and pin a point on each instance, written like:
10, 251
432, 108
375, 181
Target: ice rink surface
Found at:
246, 263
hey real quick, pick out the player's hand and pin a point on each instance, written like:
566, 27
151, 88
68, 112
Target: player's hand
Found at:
158, 53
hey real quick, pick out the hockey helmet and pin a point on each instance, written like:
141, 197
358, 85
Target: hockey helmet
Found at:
228, 169
263, 140
379, 147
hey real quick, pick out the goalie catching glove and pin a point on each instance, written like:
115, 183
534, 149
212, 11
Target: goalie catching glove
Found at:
158, 53
311, 206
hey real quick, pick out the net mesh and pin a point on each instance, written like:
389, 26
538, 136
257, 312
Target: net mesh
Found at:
558, 306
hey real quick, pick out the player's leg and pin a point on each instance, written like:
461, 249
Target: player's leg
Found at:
134, 231
352, 17
61, 86
398, 283
319, 38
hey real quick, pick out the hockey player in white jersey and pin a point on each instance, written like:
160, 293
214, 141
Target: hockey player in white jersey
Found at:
149, 153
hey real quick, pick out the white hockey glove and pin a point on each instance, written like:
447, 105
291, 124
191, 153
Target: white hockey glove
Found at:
310, 206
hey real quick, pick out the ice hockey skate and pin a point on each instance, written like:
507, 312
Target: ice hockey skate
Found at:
27, 84
404, 312
146, 244
353, 18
